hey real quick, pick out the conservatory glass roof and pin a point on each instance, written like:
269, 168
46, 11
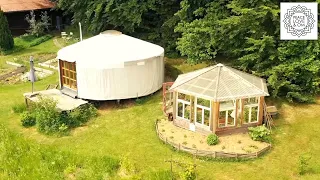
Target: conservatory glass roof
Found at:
220, 83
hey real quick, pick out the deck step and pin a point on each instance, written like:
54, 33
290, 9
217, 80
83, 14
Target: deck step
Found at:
69, 92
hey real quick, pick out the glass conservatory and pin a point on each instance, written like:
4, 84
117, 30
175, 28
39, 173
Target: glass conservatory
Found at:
218, 98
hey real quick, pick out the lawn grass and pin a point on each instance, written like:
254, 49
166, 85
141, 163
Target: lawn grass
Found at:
129, 131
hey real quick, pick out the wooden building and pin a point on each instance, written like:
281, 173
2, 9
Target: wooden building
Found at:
218, 99
16, 11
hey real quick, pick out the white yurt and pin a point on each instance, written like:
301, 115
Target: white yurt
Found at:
111, 66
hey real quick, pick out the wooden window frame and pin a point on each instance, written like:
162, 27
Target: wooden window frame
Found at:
203, 108
68, 74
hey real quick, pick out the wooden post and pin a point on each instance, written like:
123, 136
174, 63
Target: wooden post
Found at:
26, 100
214, 154
242, 113
236, 114
215, 116
174, 108
179, 146
212, 123
261, 110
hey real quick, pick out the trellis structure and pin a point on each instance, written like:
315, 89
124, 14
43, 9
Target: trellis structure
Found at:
218, 99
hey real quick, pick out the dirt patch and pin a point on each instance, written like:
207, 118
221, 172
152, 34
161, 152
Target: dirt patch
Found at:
234, 143
107, 106
12, 77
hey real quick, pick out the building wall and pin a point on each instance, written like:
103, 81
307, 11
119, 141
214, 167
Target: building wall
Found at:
215, 118
186, 125
18, 24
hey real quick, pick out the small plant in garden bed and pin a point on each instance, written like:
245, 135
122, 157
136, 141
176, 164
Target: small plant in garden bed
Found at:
212, 139
184, 143
254, 146
260, 133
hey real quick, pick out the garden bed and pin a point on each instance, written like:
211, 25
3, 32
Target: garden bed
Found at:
233, 145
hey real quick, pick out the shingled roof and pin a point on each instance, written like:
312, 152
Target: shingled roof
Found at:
25, 5
220, 83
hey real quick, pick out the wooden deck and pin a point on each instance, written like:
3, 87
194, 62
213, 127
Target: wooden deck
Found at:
64, 102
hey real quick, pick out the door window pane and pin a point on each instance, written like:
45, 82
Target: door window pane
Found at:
206, 117
254, 114
180, 109
222, 118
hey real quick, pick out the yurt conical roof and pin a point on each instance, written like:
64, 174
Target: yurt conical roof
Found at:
220, 83
109, 49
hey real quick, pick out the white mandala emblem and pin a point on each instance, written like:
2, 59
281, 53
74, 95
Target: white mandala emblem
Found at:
299, 21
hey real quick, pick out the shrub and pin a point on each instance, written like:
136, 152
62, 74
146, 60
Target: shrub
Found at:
28, 119
6, 39
47, 116
189, 172
81, 115
50, 121
19, 108
212, 139
260, 133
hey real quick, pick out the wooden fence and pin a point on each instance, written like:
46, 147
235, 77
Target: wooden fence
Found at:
212, 154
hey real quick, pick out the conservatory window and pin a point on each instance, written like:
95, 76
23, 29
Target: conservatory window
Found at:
183, 106
227, 114
203, 112
251, 110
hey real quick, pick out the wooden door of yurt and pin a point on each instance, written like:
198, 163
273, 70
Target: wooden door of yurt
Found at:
68, 74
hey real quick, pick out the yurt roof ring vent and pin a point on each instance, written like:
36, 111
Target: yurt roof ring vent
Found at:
111, 32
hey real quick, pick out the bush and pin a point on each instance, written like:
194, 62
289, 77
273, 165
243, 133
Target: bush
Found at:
212, 139
81, 115
6, 39
260, 133
47, 116
19, 108
189, 173
50, 121
28, 119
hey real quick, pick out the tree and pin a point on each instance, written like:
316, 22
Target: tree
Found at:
37, 28
6, 39
247, 32
152, 20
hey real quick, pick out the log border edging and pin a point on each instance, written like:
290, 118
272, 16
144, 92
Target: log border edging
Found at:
211, 154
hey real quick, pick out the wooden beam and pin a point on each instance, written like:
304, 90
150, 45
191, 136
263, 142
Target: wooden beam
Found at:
261, 102
174, 108
236, 114
60, 73
242, 112
192, 108
215, 116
